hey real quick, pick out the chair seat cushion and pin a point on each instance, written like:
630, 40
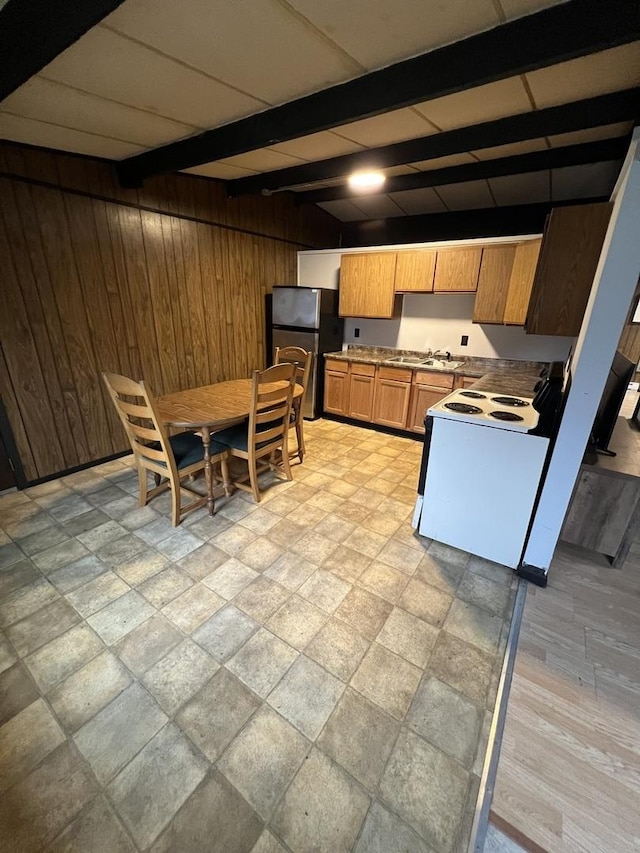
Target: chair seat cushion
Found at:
188, 449
237, 436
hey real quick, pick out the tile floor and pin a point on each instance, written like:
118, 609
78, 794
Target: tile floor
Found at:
301, 675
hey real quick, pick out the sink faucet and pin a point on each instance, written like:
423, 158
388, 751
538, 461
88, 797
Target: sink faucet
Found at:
440, 353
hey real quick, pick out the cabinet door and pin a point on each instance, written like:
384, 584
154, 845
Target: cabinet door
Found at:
521, 282
457, 270
336, 392
391, 403
361, 397
422, 398
415, 271
570, 251
493, 284
367, 284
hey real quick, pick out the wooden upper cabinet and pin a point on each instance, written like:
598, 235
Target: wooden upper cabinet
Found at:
457, 270
521, 282
570, 251
367, 284
415, 271
493, 284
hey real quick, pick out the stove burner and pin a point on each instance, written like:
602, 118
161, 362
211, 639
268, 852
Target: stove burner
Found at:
474, 394
463, 408
506, 416
509, 401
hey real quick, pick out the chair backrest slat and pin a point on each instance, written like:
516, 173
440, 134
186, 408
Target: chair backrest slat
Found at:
298, 356
131, 413
271, 396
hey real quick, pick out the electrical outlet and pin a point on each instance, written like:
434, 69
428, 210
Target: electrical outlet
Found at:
356, 333
464, 341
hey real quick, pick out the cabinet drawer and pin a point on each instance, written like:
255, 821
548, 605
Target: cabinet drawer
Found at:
430, 377
396, 374
362, 369
337, 366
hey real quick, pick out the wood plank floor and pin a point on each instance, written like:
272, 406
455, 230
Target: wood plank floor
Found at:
569, 772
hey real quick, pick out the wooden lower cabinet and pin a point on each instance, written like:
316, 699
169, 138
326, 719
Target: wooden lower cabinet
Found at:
361, 394
422, 398
336, 392
391, 404
395, 397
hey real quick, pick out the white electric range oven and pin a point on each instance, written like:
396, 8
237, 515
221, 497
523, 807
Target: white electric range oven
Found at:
481, 471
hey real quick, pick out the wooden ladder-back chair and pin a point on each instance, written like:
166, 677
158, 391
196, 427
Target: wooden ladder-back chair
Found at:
268, 427
169, 458
303, 361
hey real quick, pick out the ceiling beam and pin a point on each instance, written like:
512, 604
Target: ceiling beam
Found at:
34, 32
556, 34
578, 115
512, 221
537, 161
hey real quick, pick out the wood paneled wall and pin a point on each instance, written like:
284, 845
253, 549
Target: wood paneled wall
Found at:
165, 283
629, 343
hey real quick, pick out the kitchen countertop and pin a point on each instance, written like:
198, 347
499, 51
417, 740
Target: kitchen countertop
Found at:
505, 376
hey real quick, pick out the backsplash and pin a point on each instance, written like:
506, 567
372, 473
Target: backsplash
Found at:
438, 321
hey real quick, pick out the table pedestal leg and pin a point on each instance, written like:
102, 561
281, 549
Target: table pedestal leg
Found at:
208, 475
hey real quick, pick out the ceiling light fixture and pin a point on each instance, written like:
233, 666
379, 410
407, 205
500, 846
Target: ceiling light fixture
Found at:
366, 180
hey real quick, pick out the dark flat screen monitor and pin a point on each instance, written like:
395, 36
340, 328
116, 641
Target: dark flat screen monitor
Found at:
620, 375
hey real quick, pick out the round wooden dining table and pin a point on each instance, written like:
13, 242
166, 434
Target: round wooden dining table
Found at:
209, 409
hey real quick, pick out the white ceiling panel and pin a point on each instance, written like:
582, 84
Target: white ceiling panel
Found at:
377, 33
528, 146
317, 146
262, 160
257, 46
597, 74
593, 134
114, 67
444, 162
518, 8
424, 200
595, 179
391, 127
531, 188
220, 171
378, 206
484, 103
343, 209
47, 101
31, 132
468, 196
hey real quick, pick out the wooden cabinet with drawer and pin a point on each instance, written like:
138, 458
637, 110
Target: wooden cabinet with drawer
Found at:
428, 389
361, 391
336, 387
392, 393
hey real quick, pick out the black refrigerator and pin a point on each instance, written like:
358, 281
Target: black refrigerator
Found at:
307, 317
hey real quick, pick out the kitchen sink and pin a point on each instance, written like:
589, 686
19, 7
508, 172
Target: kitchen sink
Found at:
438, 364
418, 361
406, 359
